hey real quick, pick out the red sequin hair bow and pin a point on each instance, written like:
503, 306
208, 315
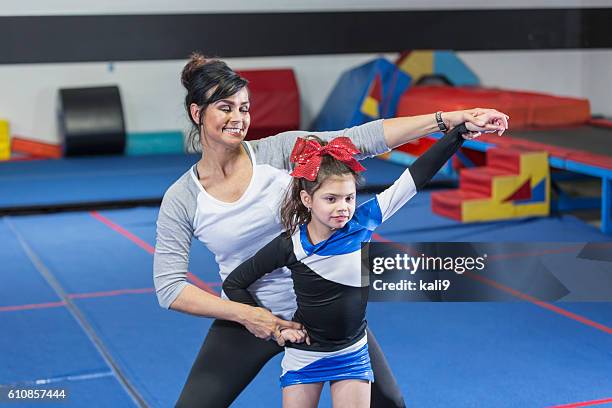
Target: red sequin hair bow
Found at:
308, 153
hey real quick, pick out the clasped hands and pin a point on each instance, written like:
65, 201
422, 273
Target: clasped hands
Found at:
263, 324
477, 121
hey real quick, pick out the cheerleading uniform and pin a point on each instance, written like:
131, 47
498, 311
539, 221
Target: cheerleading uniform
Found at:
330, 289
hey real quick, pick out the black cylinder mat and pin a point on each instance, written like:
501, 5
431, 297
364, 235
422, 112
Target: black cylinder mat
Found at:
91, 121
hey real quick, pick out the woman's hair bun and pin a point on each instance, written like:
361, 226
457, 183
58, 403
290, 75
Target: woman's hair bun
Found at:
196, 61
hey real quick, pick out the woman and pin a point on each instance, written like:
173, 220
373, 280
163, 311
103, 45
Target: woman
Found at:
229, 201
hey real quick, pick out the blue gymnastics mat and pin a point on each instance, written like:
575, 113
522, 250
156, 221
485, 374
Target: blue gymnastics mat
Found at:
73, 181
474, 354
95, 180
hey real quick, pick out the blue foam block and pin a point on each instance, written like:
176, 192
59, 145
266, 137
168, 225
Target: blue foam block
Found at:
448, 64
145, 143
343, 106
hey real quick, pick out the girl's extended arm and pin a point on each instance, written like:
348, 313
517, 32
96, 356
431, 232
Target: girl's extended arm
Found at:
274, 255
429, 163
413, 178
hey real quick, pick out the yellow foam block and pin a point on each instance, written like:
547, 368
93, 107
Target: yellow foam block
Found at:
417, 64
535, 164
5, 153
533, 167
486, 210
4, 130
5, 146
370, 107
490, 210
528, 210
504, 186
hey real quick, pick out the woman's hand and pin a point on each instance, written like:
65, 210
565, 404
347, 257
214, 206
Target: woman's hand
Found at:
477, 121
263, 324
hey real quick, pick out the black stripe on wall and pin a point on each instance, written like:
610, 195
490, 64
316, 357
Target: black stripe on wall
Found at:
39, 39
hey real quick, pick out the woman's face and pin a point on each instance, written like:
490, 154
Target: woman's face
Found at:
227, 120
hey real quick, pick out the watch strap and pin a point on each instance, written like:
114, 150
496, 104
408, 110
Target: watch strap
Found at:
441, 125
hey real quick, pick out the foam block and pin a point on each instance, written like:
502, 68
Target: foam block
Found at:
275, 101
444, 63
367, 92
35, 148
144, 143
5, 150
527, 109
515, 183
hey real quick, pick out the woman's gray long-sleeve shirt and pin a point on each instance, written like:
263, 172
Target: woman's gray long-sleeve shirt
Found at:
235, 231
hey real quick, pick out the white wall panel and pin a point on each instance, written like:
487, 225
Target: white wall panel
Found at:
153, 96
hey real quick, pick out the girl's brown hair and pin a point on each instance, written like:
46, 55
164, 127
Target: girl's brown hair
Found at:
293, 212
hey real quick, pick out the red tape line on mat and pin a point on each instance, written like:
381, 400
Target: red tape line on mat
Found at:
584, 404
32, 306
110, 293
149, 248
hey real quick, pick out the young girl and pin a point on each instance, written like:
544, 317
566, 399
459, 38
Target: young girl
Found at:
321, 246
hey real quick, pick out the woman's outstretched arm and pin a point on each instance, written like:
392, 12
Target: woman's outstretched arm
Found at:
404, 129
377, 137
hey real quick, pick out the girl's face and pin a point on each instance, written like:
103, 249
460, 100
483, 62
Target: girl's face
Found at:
333, 204
227, 121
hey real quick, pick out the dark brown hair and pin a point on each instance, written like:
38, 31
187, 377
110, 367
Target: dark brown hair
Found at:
207, 80
293, 212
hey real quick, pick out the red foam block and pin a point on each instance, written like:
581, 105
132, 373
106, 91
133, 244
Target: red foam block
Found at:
275, 101
447, 203
480, 179
35, 148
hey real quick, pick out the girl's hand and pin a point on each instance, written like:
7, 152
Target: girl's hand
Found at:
263, 324
477, 120
295, 336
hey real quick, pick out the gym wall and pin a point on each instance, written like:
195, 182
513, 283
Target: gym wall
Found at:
141, 47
